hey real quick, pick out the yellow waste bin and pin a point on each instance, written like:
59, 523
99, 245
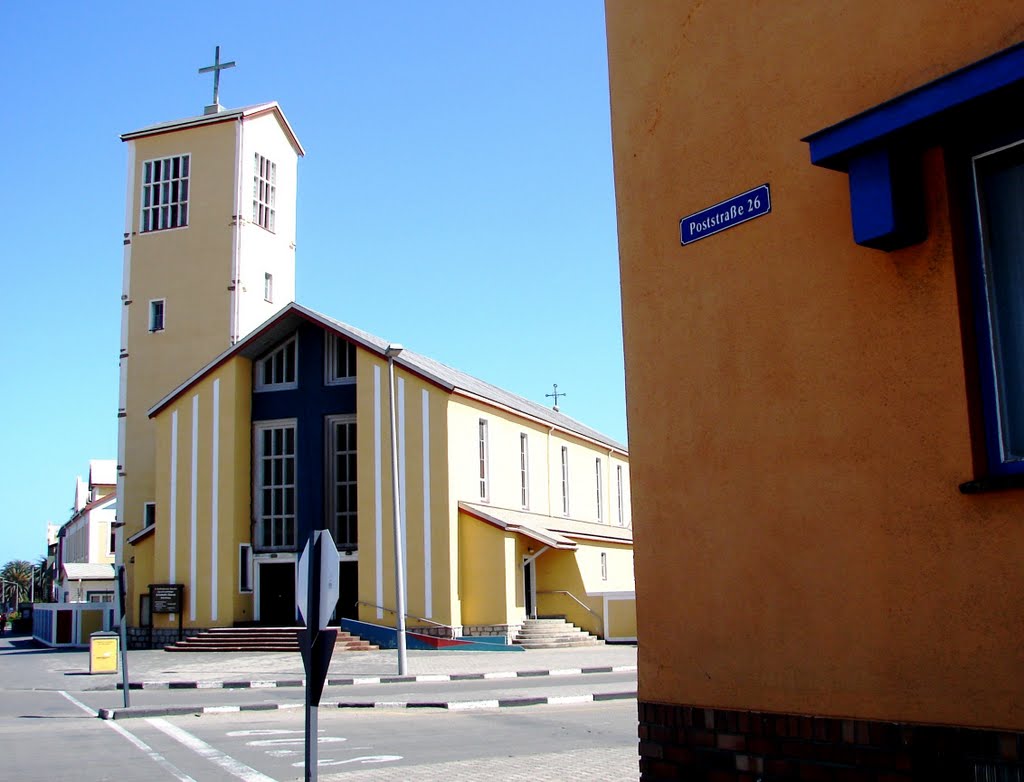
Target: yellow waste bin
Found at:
103, 651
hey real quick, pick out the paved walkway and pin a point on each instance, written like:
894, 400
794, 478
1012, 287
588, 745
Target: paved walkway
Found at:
39, 667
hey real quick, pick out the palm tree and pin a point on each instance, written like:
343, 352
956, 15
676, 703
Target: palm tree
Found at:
44, 581
19, 573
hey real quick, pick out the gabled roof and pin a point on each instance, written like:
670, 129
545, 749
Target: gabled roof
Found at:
246, 112
104, 502
452, 380
102, 472
88, 571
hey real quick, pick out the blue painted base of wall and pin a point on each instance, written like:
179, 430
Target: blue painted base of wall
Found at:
387, 638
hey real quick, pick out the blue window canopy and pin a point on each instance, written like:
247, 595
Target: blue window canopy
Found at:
880, 149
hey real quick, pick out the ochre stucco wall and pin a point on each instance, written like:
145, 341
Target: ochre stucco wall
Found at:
797, 404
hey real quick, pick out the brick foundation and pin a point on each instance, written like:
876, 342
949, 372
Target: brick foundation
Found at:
718, 745
141, 637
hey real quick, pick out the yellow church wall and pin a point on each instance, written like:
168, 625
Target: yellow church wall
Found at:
487, 568
620, 619
430, 574
579, 573
204, 485
139, 574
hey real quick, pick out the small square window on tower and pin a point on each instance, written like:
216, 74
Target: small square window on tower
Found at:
156, 314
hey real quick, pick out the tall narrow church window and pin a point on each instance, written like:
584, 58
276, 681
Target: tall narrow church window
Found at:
164, 193
343, 500
621, 495
264, 192
278, 369
565, 481
482, 442
156, 314
339, 361
274, 485
524, 471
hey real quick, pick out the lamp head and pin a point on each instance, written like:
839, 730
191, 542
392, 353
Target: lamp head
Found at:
393, 350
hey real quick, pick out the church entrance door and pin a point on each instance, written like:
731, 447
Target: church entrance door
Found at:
276, 598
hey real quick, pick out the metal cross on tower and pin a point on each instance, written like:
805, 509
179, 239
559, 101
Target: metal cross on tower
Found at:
556, 394
216, 68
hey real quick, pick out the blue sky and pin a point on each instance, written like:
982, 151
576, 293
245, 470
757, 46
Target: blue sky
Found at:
456, 196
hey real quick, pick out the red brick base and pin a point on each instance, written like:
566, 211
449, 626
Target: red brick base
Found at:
718, 745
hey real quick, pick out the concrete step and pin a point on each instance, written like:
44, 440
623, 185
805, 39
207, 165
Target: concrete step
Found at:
255, 639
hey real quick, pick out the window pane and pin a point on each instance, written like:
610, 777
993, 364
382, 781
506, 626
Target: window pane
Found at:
1001, 185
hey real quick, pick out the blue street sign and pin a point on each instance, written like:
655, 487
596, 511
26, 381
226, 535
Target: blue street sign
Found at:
725, 214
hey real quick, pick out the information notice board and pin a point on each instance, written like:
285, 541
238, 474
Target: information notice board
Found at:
167, 599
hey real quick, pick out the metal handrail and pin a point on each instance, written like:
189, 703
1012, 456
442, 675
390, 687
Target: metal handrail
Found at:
584, 606
407, 616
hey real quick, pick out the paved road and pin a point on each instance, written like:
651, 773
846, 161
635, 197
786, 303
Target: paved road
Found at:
48, 693
596, 742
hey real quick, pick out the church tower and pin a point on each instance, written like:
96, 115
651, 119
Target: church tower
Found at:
209, 254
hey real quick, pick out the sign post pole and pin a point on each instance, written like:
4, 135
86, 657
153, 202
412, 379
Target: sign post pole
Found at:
318, 594
122, 622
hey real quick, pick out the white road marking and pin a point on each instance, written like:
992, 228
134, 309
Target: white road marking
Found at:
296, 740
234, 767
360, 759
266, 732
155, 756
366, 680
501, 675
221, 709
565, 671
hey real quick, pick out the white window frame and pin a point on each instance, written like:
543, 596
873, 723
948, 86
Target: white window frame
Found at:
483, 447
332, 371
565, 480
604, 566
600, 497
163, 203
342, 542
157, 315
524, 470
111, 540
146, 516
622, 501
261, 516
268, 287
245, 577
280, 352
264, 193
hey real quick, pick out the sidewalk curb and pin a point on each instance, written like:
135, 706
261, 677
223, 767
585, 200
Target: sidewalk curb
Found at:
255, 684
501, 703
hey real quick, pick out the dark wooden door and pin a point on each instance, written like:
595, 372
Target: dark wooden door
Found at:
277, 594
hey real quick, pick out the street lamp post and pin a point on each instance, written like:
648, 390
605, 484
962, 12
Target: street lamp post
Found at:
392, 352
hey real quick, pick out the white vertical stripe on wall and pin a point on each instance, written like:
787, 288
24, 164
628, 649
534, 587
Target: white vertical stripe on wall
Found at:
214, 499
193, 512
428, 593
172, 511
378, 522
401, 484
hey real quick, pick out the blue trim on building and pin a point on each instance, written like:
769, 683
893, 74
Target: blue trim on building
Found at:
309, 404
880, 148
